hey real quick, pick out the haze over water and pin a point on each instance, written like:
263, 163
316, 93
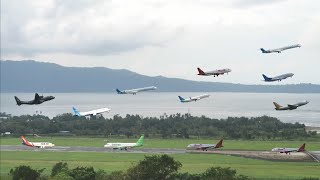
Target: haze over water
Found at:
218, 105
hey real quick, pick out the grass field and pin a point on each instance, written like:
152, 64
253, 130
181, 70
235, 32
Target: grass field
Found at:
166, 143
193, 163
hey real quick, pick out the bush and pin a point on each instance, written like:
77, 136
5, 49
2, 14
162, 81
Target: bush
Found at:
25, 173
83, 173
58, 168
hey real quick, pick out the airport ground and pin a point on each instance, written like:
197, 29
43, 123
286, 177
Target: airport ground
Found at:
193, 163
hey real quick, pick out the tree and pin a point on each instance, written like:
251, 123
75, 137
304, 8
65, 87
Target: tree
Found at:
62, 175
58, 168
83, 173
25, 173
154, 167
219, 173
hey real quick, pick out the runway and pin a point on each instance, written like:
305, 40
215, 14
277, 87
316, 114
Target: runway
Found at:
94, 149
264, 155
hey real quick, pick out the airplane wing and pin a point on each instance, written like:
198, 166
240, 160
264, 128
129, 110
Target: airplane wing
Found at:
206, 147
292, 106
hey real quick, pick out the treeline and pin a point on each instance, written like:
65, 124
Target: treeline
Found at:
177, 126
154, 167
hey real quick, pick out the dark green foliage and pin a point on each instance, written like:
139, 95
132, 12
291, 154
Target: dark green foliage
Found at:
310, 178
178, 125
218, 173
154, 167
25, 173
83, 173
58, 168
116, 175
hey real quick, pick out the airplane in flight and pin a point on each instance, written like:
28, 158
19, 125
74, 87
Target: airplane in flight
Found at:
125, 146
277, 78
279, 50
135, 91
90, 113
205, 147
36, 144
37, 100
195, 98
214, 73
290, 106
289, 150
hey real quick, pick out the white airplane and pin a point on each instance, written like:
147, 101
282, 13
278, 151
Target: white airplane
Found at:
290, 106
277, 78
280, 49
125, 146
195, 98
289, 150
214, 73
135, 91
205, 147
90, 113
36, 144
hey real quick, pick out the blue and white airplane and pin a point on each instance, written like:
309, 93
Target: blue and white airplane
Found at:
279, 50
196, 98
135, 91
277, 78
90, 113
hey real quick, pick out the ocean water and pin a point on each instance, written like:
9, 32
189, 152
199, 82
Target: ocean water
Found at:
218, 105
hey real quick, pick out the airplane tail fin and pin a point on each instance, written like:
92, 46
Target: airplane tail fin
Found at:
17, 100
119, 92
302, 148
262, 50
219, 145
266, 78
25, 141
76, 112
181, 98
200, 72
140, 142
277, 105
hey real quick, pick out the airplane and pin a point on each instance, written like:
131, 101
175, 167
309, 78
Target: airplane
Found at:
195, 98
279, 50
214, 73
135, 91
205, 147
289, 150
290, 106
125, 146
37, 100
277, 78
36, 144
90, 113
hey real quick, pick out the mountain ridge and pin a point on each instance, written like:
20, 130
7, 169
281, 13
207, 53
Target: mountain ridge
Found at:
35, 76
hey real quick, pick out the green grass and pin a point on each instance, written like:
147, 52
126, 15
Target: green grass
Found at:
193, 163
166, 143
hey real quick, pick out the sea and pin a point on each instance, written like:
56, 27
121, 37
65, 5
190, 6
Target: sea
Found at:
154, 104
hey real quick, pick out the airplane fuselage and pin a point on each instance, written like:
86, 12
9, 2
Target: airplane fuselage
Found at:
292, 106
195, 98
214, 73
279, 50
135, 91
277, 78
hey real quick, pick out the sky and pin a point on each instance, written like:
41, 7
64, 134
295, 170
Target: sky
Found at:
168, 37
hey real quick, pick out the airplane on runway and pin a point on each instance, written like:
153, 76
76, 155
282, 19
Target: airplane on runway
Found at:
214, 73
36, 144
135, 91
289, 150
37, 100
290, 106
279, 50
205, 147
195, 98
90, 113
125, 146
277, 78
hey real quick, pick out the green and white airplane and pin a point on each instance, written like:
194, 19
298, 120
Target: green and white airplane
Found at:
125, 146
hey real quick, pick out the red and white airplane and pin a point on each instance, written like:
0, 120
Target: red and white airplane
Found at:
289, 150
214, 73
205, 147
36, 144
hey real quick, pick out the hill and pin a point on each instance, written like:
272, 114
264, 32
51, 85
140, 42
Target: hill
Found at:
34, 76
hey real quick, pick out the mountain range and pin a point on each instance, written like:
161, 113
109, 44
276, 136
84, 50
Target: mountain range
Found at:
34, 76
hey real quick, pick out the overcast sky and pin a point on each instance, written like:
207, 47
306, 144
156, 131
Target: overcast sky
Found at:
168, 37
